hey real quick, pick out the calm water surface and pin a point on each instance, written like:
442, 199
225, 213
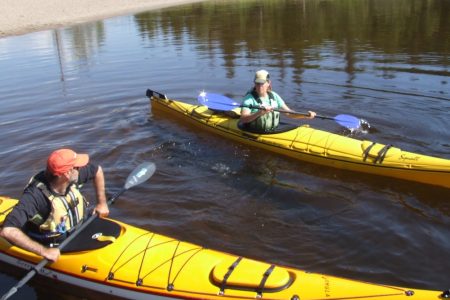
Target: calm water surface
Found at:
384, 61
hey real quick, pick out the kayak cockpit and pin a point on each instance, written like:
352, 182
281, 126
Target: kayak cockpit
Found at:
100, 233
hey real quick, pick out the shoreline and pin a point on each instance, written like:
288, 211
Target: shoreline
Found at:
25, 16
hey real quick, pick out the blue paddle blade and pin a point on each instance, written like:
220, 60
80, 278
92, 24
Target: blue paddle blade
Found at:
217, 101
351, 122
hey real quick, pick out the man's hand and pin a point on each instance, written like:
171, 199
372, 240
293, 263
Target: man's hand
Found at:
51, 254
102, 209
265, 109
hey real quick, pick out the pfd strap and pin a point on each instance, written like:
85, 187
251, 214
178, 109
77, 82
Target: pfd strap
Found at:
266, 275
367, 151
258, 99
227, 275
382, 154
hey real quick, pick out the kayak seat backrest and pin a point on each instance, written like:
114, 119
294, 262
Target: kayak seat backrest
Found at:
100, 233
250, 275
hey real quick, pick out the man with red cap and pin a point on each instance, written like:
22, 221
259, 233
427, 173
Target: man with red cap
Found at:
52, 206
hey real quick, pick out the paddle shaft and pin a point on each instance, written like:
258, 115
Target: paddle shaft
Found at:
220, 102
288, 112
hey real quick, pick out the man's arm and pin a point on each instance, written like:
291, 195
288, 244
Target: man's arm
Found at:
20, 239
296, 116
99, 184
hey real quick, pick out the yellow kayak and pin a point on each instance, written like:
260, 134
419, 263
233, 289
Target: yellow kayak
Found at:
315, 146
117, 259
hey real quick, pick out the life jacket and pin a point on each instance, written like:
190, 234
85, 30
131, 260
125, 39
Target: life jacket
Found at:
66, 211
267, 122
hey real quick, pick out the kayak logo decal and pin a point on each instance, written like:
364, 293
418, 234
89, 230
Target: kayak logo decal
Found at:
405, 157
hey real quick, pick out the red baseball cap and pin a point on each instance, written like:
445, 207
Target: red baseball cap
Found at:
63, 160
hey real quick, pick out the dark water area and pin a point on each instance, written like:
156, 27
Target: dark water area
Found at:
385, 61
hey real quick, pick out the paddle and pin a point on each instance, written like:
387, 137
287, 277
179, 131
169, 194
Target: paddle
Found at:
139, 175
220, 102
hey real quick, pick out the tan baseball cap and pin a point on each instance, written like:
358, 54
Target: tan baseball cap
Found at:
262, 76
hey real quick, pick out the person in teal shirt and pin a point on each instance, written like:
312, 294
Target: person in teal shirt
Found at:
259, 104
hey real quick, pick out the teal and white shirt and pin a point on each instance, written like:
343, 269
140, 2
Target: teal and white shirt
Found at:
267, 122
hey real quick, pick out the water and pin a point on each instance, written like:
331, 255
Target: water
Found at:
385, 61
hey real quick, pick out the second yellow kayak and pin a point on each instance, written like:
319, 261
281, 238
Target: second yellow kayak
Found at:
316, 146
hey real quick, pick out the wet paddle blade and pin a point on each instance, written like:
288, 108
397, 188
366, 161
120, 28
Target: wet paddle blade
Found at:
351, 122
217, 101
140, 174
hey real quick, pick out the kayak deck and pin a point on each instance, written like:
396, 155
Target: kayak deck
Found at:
140, 264
316, 146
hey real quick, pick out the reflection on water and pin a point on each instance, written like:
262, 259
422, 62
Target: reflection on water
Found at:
343, 36
82, 43
384, 61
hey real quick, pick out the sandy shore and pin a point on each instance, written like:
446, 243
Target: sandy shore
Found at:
23, 16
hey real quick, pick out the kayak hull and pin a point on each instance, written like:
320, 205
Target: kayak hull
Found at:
139, 264
317, 146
